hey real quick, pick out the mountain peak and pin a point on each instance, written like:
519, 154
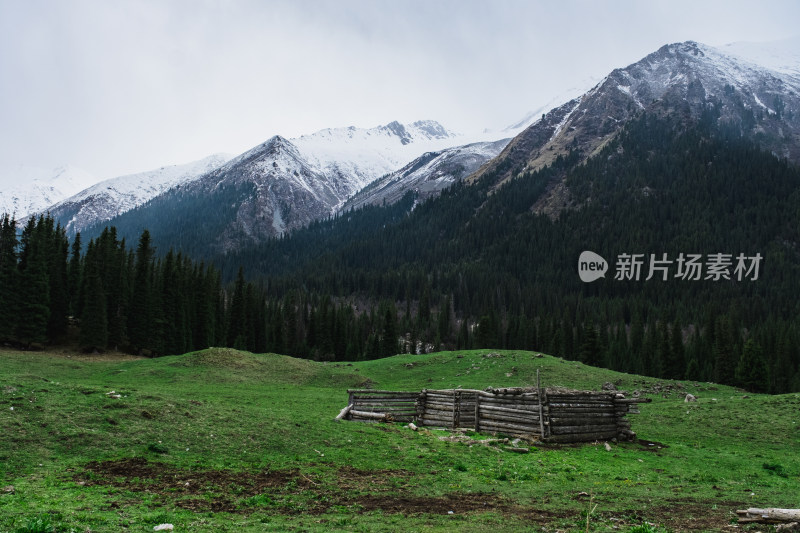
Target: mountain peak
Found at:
398, 130
688, 77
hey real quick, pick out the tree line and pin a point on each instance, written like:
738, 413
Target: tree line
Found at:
108, 296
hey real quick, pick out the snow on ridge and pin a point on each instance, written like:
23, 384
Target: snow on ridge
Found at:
363, 154
535, 116
27, 190
781, 56
564, 120
109, 198
144, 185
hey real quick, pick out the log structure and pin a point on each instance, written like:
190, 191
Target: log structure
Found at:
383, 406
545, 414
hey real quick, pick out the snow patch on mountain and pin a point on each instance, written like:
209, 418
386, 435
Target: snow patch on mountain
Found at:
428, 175
781, 56
361, 155
534, 116
114, 196
27, 190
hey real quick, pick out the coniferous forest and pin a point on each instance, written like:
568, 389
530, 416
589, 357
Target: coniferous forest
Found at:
476, 267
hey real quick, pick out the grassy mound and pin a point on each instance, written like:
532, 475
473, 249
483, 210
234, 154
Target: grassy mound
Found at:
220, 358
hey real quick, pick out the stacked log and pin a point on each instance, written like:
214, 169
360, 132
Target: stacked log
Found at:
454, 408
513, 412
377, 405
553, 415
581, 416
623, 406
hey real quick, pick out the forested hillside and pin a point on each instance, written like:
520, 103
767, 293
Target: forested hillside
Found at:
476, 267
473, 268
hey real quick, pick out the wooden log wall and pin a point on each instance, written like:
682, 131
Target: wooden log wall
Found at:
390, 406
511, 412
550, 414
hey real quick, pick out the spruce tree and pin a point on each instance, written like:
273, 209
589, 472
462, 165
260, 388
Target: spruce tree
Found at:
59, 284
237, 315
751, 372
8, 278
94, 320
74, 277
34, 285
140, 317
723, 352
388, 337
589, 349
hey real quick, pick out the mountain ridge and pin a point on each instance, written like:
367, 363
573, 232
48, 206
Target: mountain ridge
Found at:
678, 77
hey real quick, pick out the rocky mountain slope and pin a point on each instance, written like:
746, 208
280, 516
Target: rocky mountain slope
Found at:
281, 184
115, 196
427, 175
687, 78
342, 160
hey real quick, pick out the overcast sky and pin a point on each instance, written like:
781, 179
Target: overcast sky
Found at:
118, 86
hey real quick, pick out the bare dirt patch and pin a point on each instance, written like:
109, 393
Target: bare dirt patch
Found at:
219, 488
227, 491
450, 503
682, 515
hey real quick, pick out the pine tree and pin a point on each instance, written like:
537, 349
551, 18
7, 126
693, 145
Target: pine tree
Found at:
723, 351
675, 363
34, 286
751, 372
589, 350
94, 320
388, 337
140, 317
59, 289
74, 277
237, 315
8, 278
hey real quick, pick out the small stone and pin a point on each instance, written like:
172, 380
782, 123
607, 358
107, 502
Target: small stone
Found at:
9, 489
607, 446
690, 398
164, 527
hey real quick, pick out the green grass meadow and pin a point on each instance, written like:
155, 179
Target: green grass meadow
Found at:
222, 440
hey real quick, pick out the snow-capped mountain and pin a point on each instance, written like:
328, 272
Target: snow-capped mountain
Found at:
280, 185
684, 79
427, 175
112, 197
337, 162
359, 156
28, 190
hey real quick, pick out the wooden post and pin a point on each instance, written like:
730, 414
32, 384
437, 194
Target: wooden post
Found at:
477, 413
456, 409
344, 412
539, 393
